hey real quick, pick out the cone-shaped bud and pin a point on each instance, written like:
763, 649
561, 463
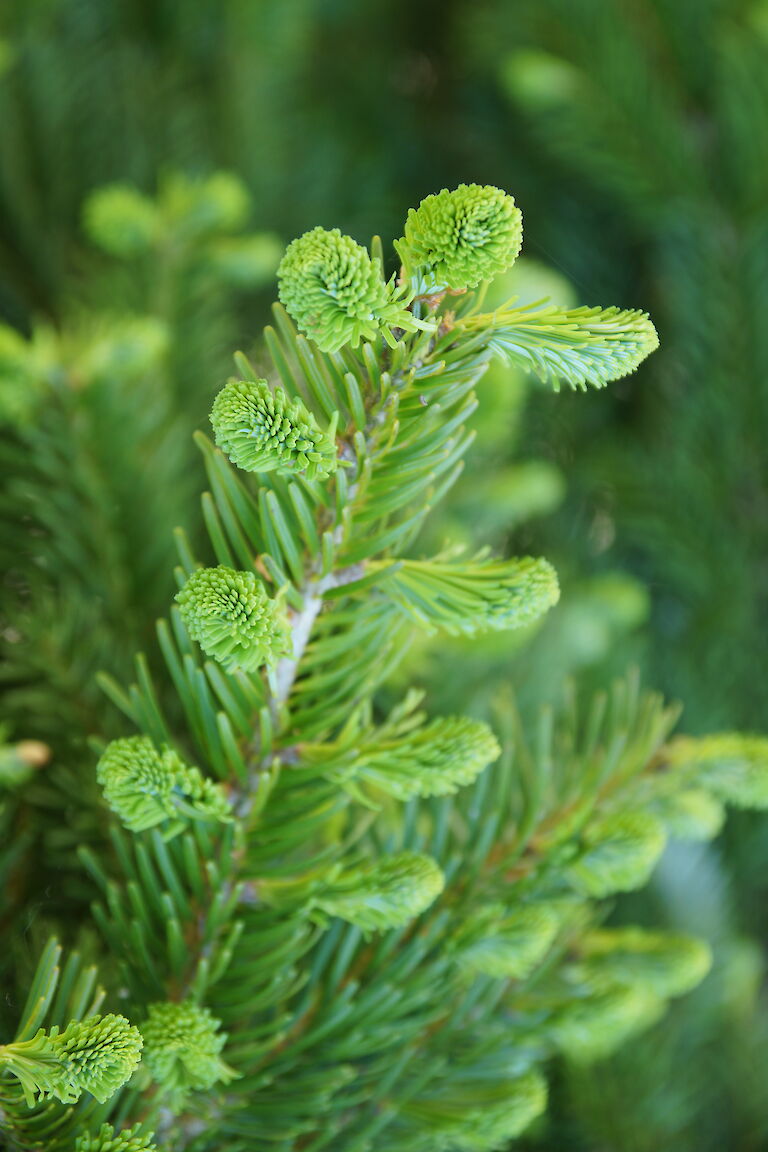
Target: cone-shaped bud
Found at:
108, 1140
481, 1116
506, 943
732, 765
589, 1028
619, 853
385, 893
99, 1054
663, 963
145, 786
233, 619
182, 1049
262, 430
336, 293
459, 238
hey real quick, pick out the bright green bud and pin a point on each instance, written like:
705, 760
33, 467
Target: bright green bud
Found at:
507, 944
99, 1054
590, 1028
108, 1140
664, 964
732, 765
461, 237
120, 220
384, 894
465, 598
482, 1116
619, 853
233, 618
336, 293
691, 815
182, 1046
145, 787
261, 429
434, 760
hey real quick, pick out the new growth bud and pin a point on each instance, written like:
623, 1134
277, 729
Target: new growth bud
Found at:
145, 786
385, 893
459, 238
734, 766
619, 853
233, 619
263, 430
182, 1046
336, 292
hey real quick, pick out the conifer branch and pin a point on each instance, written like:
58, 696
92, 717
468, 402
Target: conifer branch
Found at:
336, 927
580, 346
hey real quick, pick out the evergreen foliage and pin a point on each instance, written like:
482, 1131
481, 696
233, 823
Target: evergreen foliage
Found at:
647, 122
99, 410
507, 492
579, 345
620, 112
356, 952
107, 1140
48, 1067
475, 597
97, 407
406, 756
656, 114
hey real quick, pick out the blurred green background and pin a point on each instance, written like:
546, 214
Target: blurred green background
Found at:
634, 136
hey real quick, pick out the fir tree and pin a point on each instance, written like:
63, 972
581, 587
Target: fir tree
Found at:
324, 926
